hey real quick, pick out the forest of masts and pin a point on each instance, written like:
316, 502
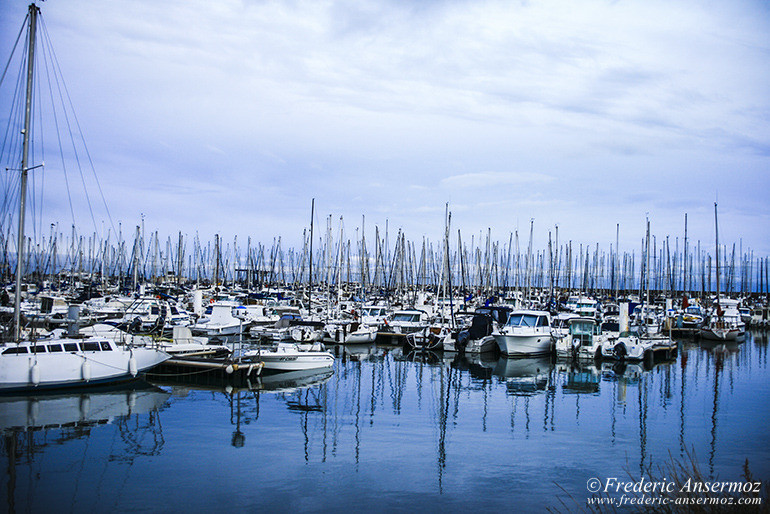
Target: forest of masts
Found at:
476, 264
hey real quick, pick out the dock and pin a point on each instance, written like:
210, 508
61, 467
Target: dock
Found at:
207, 370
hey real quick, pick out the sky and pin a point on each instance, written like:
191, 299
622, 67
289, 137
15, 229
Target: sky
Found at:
229, 117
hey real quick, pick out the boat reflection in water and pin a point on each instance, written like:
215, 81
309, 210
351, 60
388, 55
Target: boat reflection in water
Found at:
524, 376
579, 378
243, 395
444, 421
39, 428
89, 408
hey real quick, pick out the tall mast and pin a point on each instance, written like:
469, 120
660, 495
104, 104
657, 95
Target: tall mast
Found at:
24, 167
310, 272
716, 231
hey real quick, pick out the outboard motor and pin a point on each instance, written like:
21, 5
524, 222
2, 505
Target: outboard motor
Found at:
462, 340
135, 325
575, 346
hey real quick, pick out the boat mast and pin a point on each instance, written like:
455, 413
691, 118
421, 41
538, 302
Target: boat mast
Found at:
716, 232
310, 272
24, 167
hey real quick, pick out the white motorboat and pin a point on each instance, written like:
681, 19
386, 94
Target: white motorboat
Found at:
479, 336
408, 321
222, 320
361, 333
725, 323
560, 324
281, 330
374, 315
429, 338
292, 357
107, 307
144, 314
627, 347
527, 332
586, 307
307, 331
584, 339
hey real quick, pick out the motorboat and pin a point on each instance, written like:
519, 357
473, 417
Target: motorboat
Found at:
560, 324
584, 340
627, 347
429, 338
291, 357
303, 331
527, 332
479, 336
406, 321
725, 323
222, 320
153, 314
586, 307
361, 333
374, 315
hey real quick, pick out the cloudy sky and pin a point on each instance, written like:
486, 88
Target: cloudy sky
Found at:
230, 116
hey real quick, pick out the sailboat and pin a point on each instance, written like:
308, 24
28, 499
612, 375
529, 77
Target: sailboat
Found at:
725, 322
28, 364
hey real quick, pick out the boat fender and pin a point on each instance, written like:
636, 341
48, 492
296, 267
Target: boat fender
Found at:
132, 364
34, 374
85, 370
229, 369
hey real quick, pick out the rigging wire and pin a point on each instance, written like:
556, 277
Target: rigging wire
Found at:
15, 44
11, 145
51, 71
55, 62
58, 134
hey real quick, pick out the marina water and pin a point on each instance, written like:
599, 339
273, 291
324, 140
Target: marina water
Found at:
390, 431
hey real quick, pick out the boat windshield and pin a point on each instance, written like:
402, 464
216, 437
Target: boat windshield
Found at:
578, 328
406, 316
527, 320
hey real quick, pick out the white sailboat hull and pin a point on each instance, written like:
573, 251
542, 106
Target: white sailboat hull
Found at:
43, 370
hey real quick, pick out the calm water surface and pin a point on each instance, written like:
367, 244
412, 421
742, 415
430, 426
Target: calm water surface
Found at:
388, 431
